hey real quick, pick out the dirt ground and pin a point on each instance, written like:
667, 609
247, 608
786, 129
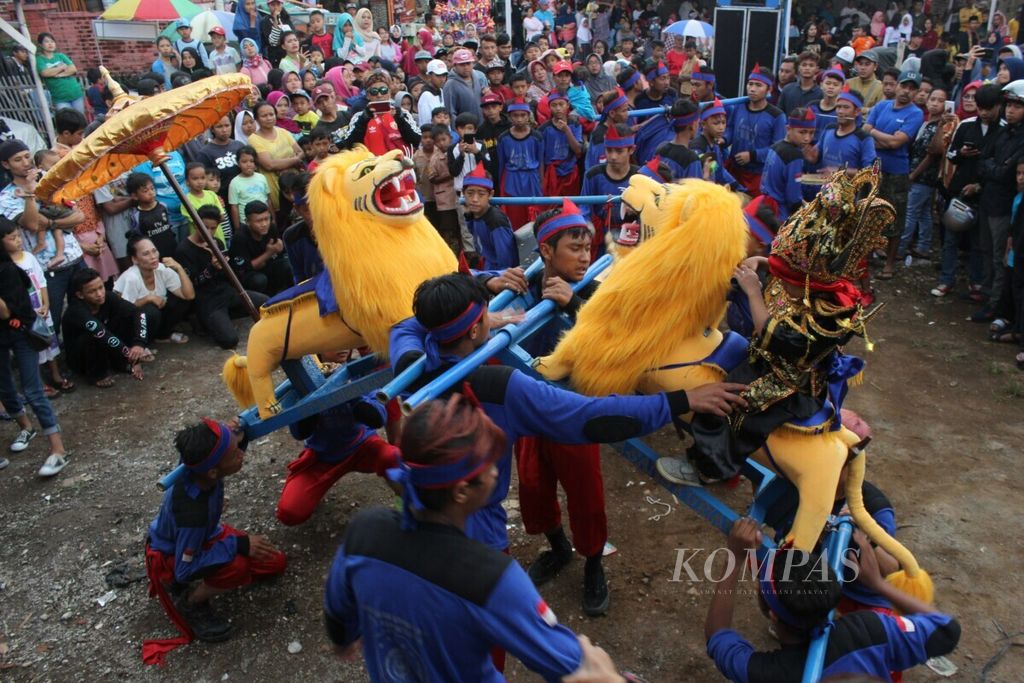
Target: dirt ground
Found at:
945, 406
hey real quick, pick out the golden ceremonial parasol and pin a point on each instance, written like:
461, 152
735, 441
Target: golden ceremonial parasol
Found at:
148, 130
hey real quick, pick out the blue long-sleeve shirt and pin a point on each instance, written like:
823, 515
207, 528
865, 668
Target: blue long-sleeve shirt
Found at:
523, 406
494, 239
336, 433
431, 603
682, 161
520, 164
605, 217
652, 135
782, 167
188, 527
556, 147
721, 175
755, 132
854, 150
865, 643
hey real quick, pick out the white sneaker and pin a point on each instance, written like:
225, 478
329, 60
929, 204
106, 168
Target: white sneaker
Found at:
21, 442
677, 471
53, 465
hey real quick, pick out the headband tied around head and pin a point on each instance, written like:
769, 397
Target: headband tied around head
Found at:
568, 219
223, 434
452, 330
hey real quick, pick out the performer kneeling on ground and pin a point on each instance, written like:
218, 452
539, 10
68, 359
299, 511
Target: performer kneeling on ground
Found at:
797, 591
564, 240
416, 572
188, 543
338, 441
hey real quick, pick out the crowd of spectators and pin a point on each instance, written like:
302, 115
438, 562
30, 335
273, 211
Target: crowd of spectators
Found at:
936, 99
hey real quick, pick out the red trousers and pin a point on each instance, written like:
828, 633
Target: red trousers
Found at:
542, 465
309, 479
555, 185
520, 215
750, 181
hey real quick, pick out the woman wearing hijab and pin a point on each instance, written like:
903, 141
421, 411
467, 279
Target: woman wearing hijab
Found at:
364, 29
540, 85
343, 79
345, 37
1000, 26
247, 23
192, 64
967, 106
597, 81
254, 65
390, 51
878, 26
283, 109
245, 125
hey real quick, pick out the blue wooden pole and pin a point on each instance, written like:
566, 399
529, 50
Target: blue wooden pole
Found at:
553, 201
664, 110
835, 548
536, 317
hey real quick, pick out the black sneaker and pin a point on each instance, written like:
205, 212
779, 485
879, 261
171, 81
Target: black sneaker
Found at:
207, 625
595, 591
547, 566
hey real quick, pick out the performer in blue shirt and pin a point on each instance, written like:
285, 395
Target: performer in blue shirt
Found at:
563, 147
832, 81
658, 93
785, 164
609, 178
188, 543
426, 601
752, 129
615, 111
520, 163
844, 144
711, 143
799, 590
682, 161
492, 232
450, 322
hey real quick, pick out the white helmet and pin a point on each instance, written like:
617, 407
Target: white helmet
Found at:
1014, 92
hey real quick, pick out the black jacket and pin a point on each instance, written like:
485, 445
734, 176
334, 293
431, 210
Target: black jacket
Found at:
997, 170
967, 167
14, 284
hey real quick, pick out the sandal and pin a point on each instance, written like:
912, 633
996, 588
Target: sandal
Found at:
105, 383
885, 275
1004, 337
175, 338
50, 392
66, 385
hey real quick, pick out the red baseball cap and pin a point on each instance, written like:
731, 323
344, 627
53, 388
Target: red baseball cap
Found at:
321, 91
463, 56
217, 30
561, 66
491, 98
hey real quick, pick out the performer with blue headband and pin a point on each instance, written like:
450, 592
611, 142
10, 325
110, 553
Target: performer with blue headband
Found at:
614, 110
711, 145
845, 144
797, 591
520, 162
188, 543
419, 594
784, 164
702, 84
609, 178
682, 161
658, 93
563, 148
752, 129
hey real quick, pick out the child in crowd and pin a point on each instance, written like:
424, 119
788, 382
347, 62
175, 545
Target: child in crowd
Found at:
212, 179
520, 162
441, 117
305, 118
491, 230
421, 159
785, 163
496, 81
321, 141
259, 252
464, 155
150, 218
95, 94
10, 234
69, 127
188, 546
563, 147
444, 189
198, 196
48, 236
752, 129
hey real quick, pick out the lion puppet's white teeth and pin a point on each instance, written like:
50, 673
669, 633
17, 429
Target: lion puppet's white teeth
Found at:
397, 184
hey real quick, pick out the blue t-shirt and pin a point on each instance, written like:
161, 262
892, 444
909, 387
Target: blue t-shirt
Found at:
430, 604
854, 150
556, 147
520, 164
754, 132
783, 166
906, 120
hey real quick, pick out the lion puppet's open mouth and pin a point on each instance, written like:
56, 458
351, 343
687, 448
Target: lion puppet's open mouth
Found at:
396, 195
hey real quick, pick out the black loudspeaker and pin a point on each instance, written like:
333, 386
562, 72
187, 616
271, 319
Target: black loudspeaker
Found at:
744, 36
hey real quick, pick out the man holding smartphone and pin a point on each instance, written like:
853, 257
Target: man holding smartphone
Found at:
380, 126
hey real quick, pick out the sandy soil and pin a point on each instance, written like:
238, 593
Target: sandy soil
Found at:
945, 406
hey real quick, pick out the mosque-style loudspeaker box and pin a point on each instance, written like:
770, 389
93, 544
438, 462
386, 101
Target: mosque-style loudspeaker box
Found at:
744, 36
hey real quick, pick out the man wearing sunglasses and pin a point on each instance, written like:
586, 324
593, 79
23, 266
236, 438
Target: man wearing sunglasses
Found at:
380, 126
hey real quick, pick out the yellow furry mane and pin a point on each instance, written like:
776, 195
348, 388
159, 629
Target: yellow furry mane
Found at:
673, 286
375, 267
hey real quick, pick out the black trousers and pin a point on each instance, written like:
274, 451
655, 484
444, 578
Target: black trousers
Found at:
162, 320
217, 319
275, 277
95, 358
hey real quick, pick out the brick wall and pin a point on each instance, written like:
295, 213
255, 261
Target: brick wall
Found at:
74, 36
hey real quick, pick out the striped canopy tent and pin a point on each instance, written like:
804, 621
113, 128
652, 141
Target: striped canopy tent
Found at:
151, 10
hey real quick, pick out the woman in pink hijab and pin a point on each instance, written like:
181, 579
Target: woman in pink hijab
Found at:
878, 27
342, 78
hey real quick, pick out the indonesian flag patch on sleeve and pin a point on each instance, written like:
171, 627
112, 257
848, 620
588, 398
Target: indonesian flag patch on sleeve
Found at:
547, 614
187, 555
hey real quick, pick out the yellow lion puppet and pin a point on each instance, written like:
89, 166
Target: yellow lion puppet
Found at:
377, 247
653, 326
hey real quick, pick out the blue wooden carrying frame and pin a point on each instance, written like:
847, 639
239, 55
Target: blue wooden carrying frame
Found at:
308, 392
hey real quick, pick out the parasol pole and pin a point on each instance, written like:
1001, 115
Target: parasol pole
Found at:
161, 162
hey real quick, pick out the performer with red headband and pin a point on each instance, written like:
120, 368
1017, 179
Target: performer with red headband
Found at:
563, 240
797, 591
753, 128
491, 230
188, 543
563, 147
785, 164
520, 162
609, 178
425, 600
682, 161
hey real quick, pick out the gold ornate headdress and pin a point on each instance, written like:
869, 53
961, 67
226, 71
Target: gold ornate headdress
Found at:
830, 235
